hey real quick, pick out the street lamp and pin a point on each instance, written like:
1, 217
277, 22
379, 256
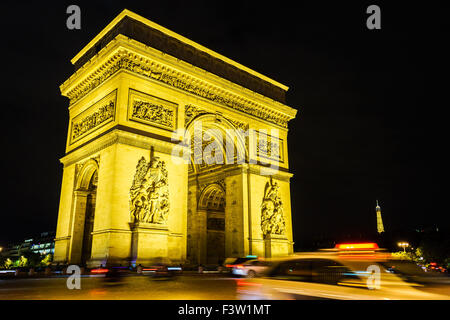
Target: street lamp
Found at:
403, 245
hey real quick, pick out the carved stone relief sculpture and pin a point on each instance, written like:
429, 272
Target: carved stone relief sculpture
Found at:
272, 218
152, 110
98, 114
149, 194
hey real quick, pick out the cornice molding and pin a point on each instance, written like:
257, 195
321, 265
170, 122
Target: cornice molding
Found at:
264, 171
239, 169
117, 136
123, 57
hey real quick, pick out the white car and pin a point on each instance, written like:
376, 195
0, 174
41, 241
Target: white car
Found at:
251, 268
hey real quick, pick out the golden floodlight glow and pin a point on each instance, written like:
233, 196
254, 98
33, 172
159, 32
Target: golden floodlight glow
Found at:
129, 197
356, 246
403, 245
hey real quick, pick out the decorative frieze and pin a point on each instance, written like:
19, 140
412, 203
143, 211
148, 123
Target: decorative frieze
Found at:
239, 124
221, 182
190, 112
269, 147
97, 115
135, 64
151, 110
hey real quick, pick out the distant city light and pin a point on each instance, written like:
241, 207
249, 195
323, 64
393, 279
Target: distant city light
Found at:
403, 245
357, 246
100, 270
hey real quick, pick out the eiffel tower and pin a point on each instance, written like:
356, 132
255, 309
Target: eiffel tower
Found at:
380, 227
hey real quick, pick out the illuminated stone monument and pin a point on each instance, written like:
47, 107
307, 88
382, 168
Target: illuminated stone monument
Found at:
380, 226
152, 116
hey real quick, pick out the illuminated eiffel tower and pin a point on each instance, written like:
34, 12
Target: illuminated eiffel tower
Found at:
380, 227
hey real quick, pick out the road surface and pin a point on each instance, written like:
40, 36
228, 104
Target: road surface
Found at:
139, 287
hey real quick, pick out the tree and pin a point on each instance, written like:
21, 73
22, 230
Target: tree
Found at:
416, 256
47, 260
435, 247
8, 263
22, 262
33, 259
401, 255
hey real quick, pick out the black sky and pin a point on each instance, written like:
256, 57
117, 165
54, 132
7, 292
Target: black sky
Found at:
371, 117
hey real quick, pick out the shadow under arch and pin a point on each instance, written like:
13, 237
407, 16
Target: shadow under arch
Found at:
212, 197
85, 194
211, 210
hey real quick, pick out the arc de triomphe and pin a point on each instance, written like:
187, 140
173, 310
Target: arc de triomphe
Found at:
173, 151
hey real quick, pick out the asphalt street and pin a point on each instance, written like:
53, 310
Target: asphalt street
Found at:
186, 287
140, 287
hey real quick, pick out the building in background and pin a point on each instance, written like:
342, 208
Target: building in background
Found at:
42, 244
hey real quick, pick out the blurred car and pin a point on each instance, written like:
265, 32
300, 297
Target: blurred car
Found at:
339, 274
113, 275
251, 268
7, 273
230, 263
160, 270
411, 272
434, 267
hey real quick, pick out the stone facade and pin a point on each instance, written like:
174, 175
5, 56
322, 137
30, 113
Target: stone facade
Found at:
128, 197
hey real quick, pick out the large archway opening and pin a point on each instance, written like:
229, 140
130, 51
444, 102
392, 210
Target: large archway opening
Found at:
216, 145
84, 212
212, 205
86, 249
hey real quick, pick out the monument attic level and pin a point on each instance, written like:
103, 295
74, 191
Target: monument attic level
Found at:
158, 37
167, 42
124, 199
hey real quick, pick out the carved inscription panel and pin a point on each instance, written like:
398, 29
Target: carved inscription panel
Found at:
94, 117
151, 110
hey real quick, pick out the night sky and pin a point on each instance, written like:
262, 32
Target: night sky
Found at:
370, 122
